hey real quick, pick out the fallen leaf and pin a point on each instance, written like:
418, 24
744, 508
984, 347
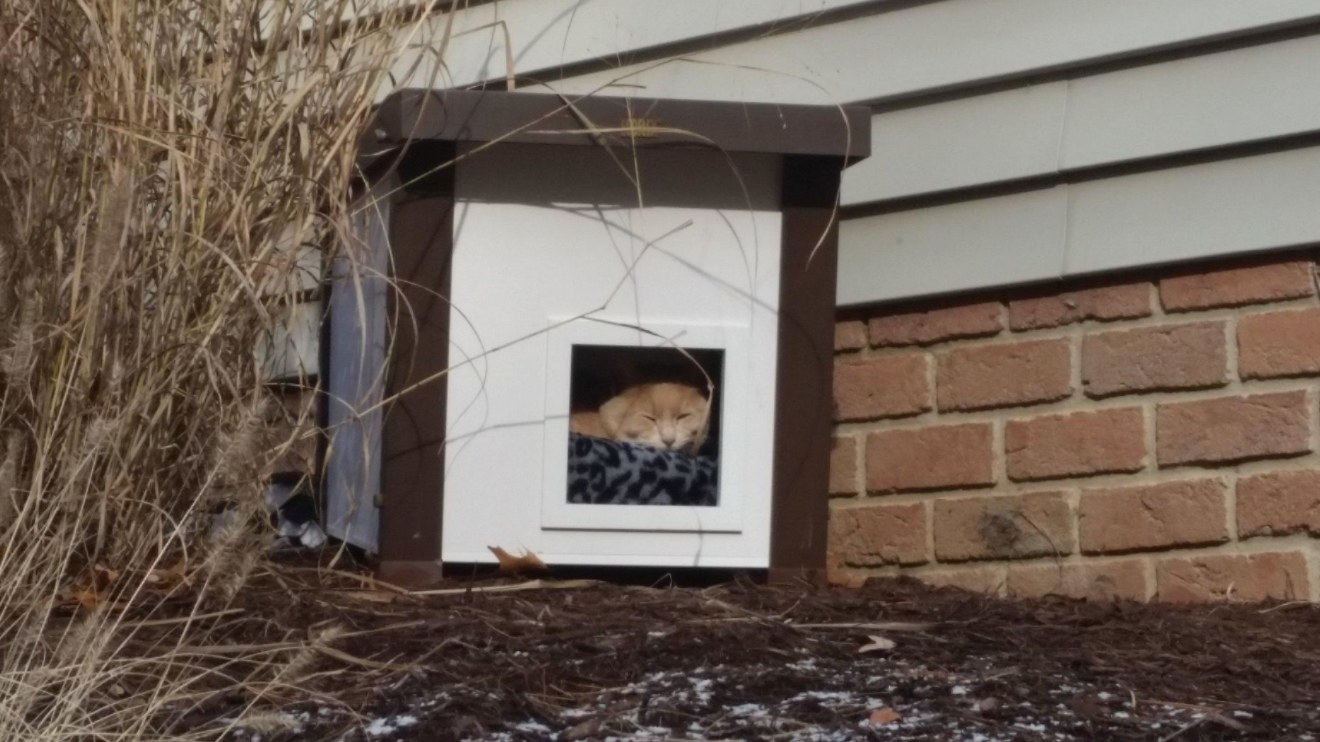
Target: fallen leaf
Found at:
85, 598
878, 644
510, 564
883, 715
169, 576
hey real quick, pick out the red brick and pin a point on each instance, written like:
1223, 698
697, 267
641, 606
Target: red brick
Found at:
1189, 356
941, 457
849, 335
879, 535
986, 580
1279, 344
843, 466
1230, 429
924, 328
1235, 577
1075, 445
1157, 516
1121, 580
1279, 503
1232, 287
882, 387
1105, 303
1014, 527
840, 576
989, 376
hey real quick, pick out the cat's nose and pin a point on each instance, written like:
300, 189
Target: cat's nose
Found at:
668, 437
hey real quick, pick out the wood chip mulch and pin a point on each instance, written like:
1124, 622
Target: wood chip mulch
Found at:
893, 660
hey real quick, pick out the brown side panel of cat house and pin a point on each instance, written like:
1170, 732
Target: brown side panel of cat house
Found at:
530, 258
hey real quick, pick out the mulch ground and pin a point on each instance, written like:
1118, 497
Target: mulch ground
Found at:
894, 660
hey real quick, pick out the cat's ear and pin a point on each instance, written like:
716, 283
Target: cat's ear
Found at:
613, 412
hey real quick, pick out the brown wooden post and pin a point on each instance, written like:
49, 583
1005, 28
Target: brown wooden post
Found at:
804, 398
412, 442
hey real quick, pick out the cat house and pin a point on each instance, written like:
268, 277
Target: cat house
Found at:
534, 262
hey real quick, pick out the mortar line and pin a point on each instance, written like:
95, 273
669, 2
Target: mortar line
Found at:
1253, 547
1081, 403
1157, 318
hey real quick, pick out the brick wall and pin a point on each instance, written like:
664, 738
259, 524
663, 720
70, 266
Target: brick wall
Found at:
1147, 437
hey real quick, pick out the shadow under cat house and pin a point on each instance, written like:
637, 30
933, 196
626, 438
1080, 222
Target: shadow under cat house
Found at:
599, 336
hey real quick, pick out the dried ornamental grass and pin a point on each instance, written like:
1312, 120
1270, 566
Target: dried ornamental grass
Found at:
151, 156
157, 159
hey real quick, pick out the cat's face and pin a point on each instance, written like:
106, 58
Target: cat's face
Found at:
668, 416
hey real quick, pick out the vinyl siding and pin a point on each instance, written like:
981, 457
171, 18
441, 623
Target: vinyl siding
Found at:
1015, 141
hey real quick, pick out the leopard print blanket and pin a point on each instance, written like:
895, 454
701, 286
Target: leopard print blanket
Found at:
621, 473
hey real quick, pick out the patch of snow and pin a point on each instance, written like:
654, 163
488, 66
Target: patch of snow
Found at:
747, 709
958, 690
827, 697
1239, 713
388, 725
575, 713
1122, 715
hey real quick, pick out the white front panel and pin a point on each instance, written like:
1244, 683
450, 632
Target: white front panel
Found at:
551, 250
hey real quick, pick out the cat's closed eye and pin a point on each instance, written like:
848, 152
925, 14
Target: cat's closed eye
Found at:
663, 425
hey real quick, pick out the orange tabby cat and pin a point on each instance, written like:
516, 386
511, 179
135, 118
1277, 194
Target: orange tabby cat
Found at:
665, 415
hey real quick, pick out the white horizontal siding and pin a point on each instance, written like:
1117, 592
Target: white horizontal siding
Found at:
1163, 108
1233, 206
1233, 97
1220, 208
970, 141
541, 36
993, 241
1243, 95
937, 46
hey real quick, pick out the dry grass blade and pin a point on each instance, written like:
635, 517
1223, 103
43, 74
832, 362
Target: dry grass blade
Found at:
511, 587
880, 626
